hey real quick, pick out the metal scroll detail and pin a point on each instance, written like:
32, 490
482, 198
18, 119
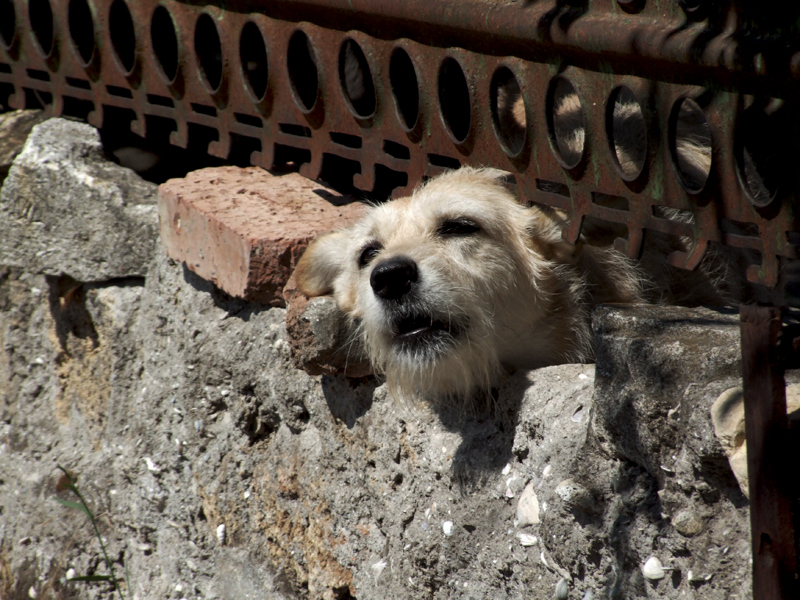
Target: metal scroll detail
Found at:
430, 76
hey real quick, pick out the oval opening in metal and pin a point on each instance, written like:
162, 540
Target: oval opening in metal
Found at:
690, 144
81, 29
8, 22
627, 132
762, 149
455, 107
303, 72
253, 56
41, 16
123, 35
508, 111
565, 122
165, 43
405, 88
356, 80
208, 49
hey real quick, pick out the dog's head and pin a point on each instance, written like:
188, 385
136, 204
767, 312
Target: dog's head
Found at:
446, 285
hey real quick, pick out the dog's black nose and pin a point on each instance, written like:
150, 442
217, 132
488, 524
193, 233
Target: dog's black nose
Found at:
392, 279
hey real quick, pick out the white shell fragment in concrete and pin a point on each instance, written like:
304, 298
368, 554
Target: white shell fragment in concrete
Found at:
447, 527
221, 534
653, 569
151, 466
562, 589
378, 569
527, 508
526, 539
693, 577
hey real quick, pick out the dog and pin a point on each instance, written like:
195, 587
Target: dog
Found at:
451, 287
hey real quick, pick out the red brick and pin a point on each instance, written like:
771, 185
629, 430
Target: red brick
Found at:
244, 229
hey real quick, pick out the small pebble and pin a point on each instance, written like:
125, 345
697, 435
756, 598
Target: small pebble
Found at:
32, 593
687, 524
69, 574
589, 595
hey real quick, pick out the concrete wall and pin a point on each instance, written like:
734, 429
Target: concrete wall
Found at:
218, 470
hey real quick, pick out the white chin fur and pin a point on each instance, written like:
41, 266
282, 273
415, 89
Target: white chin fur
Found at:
454, 368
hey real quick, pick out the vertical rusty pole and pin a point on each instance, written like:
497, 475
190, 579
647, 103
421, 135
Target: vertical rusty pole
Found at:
772, 469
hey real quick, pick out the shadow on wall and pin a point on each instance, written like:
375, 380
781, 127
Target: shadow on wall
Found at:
487, 432
348, 399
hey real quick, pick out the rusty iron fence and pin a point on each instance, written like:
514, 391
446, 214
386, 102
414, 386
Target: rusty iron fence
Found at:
430, 76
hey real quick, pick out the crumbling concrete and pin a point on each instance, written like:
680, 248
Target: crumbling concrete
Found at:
322, 338
218, 469
67, 210
15, 126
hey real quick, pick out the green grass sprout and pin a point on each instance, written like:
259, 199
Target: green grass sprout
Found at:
67, 482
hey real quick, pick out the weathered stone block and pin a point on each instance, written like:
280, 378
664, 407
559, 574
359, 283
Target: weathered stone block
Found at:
245, 229
15, 126
646, 388
65, 209
322, 339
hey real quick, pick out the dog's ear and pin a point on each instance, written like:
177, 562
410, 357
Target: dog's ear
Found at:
321, 263
561, 251
544, 236
504, 179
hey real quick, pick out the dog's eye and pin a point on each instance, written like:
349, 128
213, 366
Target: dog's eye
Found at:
459, 226
367, 254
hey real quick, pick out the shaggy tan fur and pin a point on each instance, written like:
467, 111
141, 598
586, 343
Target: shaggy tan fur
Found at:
476, 283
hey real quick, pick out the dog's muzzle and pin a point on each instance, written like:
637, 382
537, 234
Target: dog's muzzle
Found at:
413, 327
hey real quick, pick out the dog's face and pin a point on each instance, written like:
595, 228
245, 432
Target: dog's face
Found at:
445, 286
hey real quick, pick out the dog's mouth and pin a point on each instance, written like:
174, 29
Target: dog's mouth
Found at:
419, 330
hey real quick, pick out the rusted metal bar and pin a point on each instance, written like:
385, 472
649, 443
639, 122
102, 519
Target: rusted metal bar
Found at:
654, 40
771, 466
